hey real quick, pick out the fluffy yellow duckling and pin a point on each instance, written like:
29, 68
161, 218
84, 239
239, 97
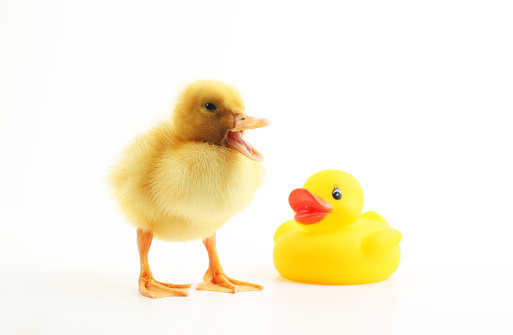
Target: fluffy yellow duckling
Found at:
187, 176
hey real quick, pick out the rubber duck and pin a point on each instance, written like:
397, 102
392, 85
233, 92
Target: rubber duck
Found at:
330, 241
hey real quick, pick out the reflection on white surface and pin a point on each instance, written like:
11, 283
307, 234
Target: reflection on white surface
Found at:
103, 301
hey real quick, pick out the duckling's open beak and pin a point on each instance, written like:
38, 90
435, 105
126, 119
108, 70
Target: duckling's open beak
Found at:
235, 140
308, 207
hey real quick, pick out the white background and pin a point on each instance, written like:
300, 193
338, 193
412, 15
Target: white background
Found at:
414, 98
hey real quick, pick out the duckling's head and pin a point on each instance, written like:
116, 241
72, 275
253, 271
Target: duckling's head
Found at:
213, 111
329, 199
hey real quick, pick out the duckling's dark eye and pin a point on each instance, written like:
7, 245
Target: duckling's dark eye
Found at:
210, 106
337, 195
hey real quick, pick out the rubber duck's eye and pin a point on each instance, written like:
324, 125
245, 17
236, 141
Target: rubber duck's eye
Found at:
337, 195
210, 106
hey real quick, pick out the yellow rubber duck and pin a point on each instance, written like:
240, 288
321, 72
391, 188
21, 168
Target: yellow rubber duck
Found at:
330, 241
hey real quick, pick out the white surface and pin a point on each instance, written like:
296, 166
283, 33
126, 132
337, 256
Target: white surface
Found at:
105, 301
412, 98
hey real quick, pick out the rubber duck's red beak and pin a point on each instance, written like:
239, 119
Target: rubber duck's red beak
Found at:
308, 207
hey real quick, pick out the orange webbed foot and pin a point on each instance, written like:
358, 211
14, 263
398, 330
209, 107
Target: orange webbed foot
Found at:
223, 283
154, 289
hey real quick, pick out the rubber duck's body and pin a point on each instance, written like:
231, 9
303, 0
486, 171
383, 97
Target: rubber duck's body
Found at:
329, 241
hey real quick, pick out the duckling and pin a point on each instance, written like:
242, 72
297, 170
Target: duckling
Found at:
330, 241
187, 176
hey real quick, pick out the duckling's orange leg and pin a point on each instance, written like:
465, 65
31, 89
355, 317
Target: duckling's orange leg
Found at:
215, 279
148, 286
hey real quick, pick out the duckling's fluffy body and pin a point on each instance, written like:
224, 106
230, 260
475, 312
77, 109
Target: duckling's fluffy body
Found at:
182, 190
187, 176
182, 180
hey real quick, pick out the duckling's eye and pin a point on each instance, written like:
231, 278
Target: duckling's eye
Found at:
337, 195
210, 106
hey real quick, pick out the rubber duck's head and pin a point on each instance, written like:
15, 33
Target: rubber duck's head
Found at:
329, 199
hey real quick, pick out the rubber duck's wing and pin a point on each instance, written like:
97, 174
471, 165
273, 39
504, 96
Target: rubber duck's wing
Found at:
373, 216
381, 244
285, 228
